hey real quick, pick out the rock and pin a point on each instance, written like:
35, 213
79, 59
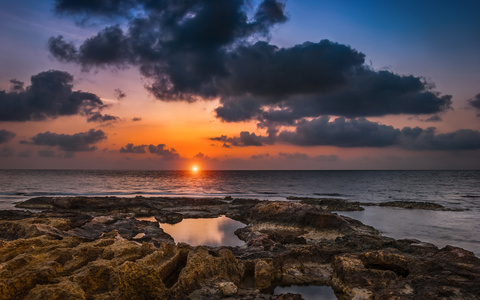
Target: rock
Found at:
330, 204
66, 289
228, 288
290, 296
170, 218
417, 205
263, 274
94, 248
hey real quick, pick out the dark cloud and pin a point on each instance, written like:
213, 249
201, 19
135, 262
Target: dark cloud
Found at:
130, 148
160, 150
6, 136
245, 139
180, 45
136, 119
26, 153
341, 132
163, 151
360, 132
119, 94
6, 152
261, 156
206, 49
426, 139
82, 141
434, 118
475, 103
46, 153
200, 155
101, 118
49, 96
17, 86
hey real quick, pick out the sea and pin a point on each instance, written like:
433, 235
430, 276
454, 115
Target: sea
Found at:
458, 190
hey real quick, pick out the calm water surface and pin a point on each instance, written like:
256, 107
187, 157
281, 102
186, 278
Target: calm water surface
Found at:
203, 231
453, 189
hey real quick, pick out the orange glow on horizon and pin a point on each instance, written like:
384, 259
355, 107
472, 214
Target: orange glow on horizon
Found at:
195, 168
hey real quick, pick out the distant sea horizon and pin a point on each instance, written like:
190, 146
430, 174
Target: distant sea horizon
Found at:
454, 189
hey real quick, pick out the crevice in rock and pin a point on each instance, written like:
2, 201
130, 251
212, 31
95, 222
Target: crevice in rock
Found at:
396, 269
248, 278
173, 276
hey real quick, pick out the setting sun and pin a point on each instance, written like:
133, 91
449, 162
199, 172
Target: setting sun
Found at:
194, 168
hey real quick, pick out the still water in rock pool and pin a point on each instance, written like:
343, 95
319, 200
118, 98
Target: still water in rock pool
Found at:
203, 231
308, 292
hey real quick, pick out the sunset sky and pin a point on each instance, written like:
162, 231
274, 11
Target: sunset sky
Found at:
232, 84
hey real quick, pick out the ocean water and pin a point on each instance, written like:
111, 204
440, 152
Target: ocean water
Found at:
452, 189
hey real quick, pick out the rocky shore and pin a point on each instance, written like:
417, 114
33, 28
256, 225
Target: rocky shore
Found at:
96, 248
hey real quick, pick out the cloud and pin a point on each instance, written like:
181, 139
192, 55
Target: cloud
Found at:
46, 153
119, 94
434, 118
160, 150
6, 136
130, 148
261, 156
163, 151
180, 46
6, 152
82, 141
426, 139
363, 133
200, 155
49, 96
245, 139
360, 132
26, 153
101, 118
136, 119
341, 132
475, 103
209, 49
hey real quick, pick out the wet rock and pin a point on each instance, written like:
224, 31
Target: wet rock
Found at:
263, 274
94, 248
290, 296
170, 218
417, 205
330, 204
227, 288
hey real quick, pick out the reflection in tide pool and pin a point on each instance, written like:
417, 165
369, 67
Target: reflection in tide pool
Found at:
204, 231
308, 292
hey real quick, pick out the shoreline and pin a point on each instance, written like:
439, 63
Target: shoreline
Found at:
286, 243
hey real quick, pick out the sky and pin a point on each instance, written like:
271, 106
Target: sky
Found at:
239, 84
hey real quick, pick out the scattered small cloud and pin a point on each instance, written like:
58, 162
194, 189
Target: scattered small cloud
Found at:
475, 103
78, 142
101, 118
26, 153
163, 151
119, 94
6, 136
244, 140
136, 119
130, 148
46, 153
6, 151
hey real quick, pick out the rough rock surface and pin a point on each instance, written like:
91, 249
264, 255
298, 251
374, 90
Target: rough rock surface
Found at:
95, 248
